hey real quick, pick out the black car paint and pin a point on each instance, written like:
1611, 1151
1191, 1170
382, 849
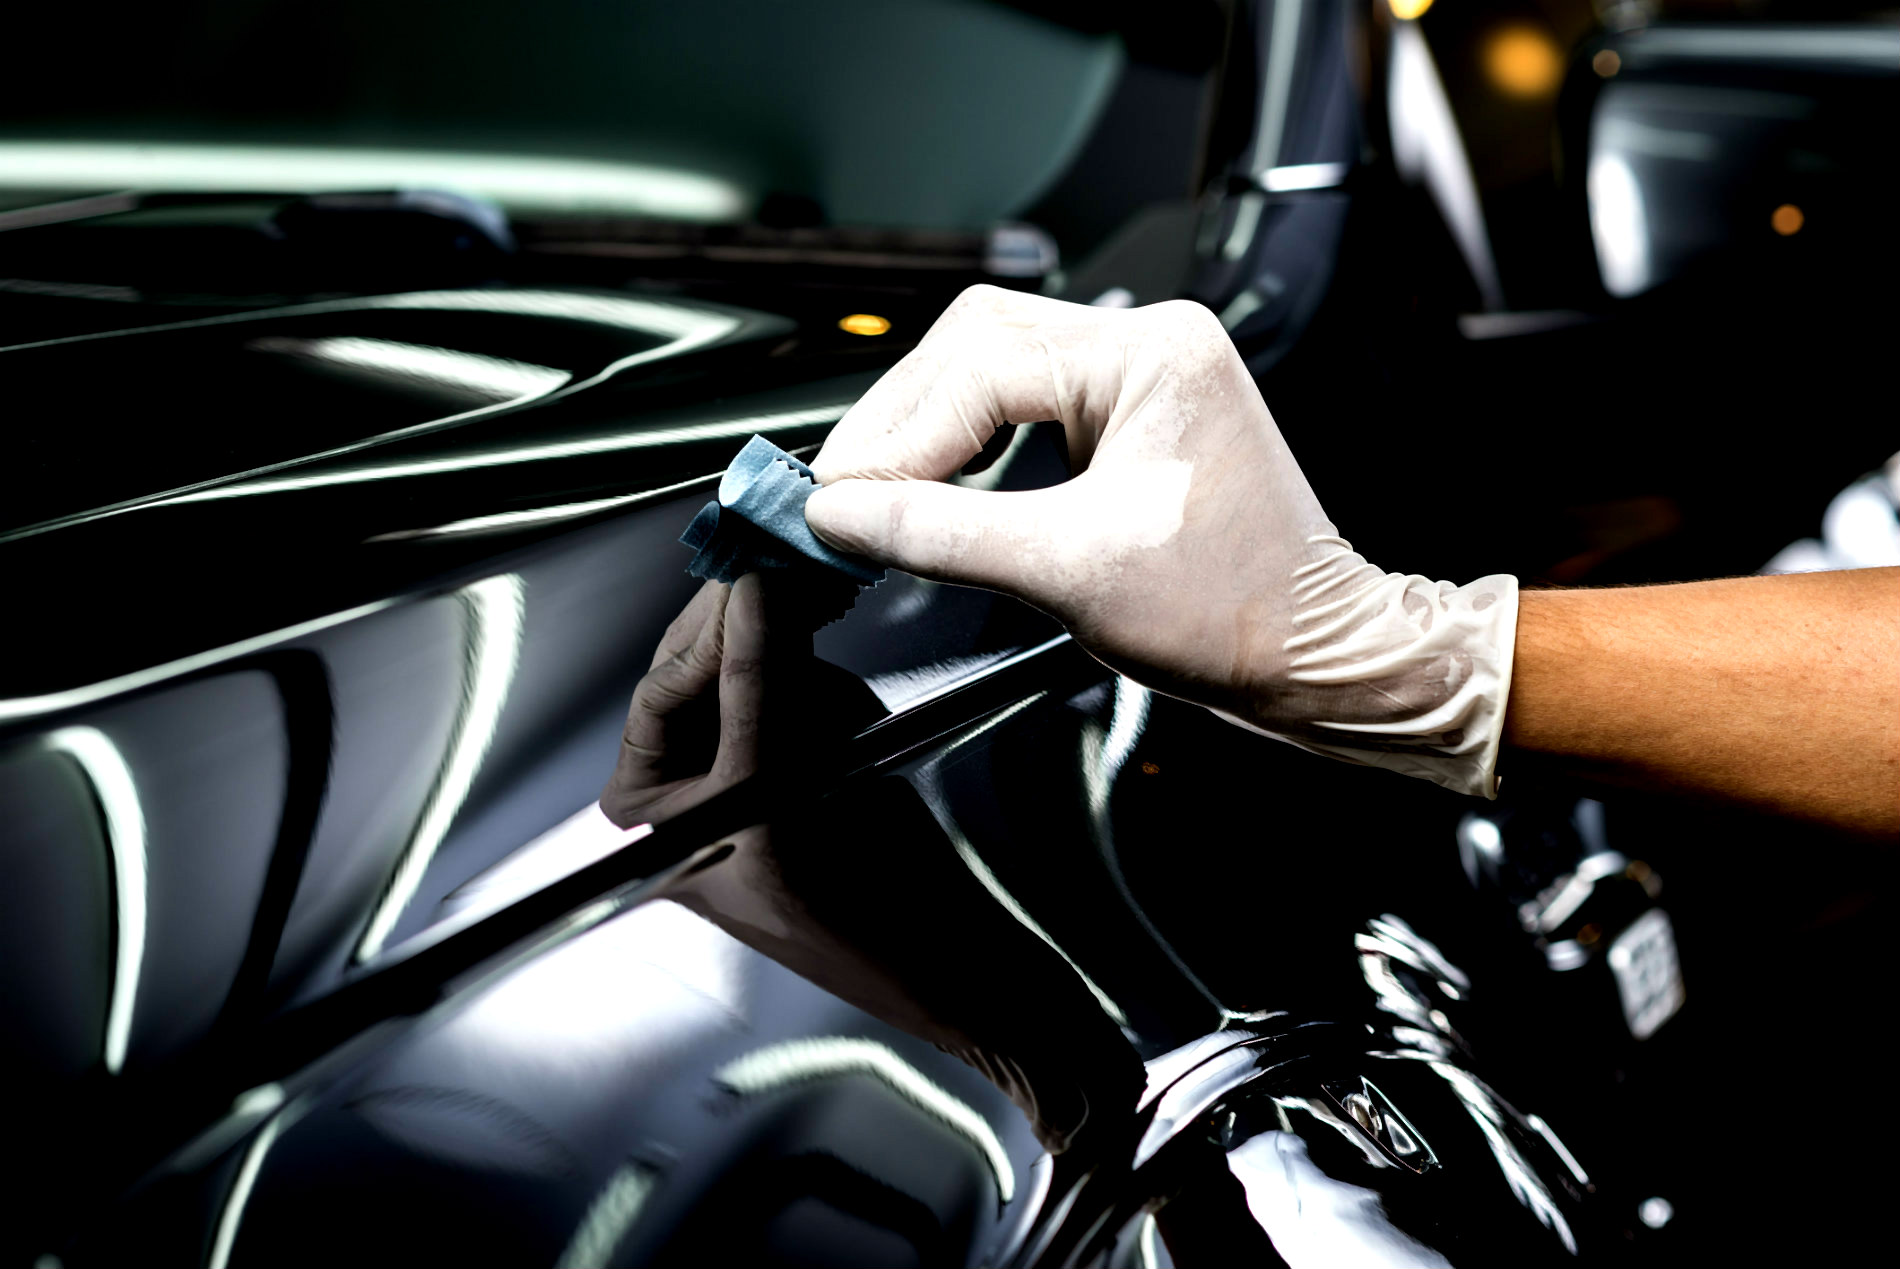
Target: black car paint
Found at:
289, 665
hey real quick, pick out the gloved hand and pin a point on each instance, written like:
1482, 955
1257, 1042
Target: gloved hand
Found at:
1188, 553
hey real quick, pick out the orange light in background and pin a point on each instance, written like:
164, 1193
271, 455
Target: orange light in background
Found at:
864, 324
1787, 220
1523, 61
1606, 63
1153, 768
1407, 10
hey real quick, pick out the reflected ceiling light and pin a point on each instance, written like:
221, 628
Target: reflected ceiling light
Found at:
1297, 176
1523, 61
537, 183
608, 1218
649, 317
1619, 225
487, 378
106, 770
493, 612
1787, 220
864, 324
1428, 148
829, 1057
1409, 10
647, 438
1606, 63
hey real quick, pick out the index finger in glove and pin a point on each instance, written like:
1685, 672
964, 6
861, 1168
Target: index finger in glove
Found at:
989, 347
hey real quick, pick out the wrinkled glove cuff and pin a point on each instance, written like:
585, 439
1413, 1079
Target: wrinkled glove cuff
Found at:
1446, 680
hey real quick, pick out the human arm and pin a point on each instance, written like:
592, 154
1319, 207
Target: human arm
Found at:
1191, 554
1781, 693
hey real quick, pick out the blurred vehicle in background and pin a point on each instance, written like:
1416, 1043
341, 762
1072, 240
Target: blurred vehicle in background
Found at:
367, 363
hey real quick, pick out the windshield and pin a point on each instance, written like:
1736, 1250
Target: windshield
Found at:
941, 114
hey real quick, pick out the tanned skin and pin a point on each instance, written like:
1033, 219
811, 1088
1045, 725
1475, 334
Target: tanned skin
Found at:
1779, 693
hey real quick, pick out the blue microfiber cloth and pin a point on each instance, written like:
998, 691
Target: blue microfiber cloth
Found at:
758, 522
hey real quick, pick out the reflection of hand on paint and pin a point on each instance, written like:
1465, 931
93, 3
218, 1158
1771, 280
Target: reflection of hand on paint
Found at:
861, 893
1188, 551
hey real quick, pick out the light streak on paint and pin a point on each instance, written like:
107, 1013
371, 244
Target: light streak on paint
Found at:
1150, 1254
1550, 1137
648, 317
1488, 1114
53, 702
1103, 757
1298, 176
583, 838
683, 327
492, 379
1619, 225
1282, 57
645, 438
1126, 720
493, 610
608, 1218
519, 181
830, 1057
988, 880
231, 1218
1428, 148
980, 869
112, 784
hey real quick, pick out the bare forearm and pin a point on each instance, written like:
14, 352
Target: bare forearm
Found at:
1776, 692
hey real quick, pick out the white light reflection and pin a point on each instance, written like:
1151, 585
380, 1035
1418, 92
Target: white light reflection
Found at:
1283, 42
53, 702
1299, 176
124, 822
1529, 1188
505, 520
520, 181
645, 438
232, 1215
493, 608
829, 1057
608, 1218
486, 378
583, 838
1656, 1212
1619, 226
1427, 147
980, 869
648, 317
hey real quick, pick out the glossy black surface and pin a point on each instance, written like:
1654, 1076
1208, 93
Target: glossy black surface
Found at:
325, 610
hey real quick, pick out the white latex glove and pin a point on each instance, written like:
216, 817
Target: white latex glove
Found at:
1188, 553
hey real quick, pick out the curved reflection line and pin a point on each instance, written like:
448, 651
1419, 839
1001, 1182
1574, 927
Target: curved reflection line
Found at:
53, 702
1103, 757
497, 379
1526, 1185
686, 329
608, 1218
827, 1057
939, 810
124, 821
494, 615
231, 1217
646, 438
539, 515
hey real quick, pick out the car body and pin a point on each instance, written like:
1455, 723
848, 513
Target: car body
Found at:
334, 565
